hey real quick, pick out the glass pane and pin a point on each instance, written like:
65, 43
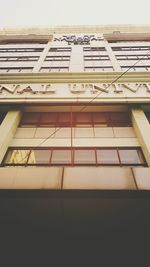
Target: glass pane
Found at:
83, 117
128, 156
107, 156
48, 118
40, 156
64, 119
84, 157
119, 119
32, 118
100, 118
61, 156
17, 156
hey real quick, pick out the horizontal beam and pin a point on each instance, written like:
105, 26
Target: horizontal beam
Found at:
75, 77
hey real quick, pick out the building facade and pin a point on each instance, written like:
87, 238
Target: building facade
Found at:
74, 108
75, 140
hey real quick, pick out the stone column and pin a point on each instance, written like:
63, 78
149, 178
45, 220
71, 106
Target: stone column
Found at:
142, 129
76, 60
7, 130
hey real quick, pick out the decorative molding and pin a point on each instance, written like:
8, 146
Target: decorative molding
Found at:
74, 77
36, 89
27, 88
78, 40
67, 90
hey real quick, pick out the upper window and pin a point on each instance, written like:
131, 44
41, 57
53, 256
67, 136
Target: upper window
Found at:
96, 59
133, 57
20, 50
94, 48
57, 60
131, 48
136, 68
60, 49
23, 58
15, 70
76, 119
127, 56
54, 69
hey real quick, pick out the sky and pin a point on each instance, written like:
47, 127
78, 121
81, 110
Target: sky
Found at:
20, 13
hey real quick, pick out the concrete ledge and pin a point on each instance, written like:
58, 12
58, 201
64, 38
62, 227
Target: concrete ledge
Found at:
30, 178
75, 178
142, 177
110, 178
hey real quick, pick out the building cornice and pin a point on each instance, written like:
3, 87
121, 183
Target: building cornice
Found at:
74, 77
77, 29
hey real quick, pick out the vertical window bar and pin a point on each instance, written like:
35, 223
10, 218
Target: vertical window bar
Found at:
119, 157
96, 156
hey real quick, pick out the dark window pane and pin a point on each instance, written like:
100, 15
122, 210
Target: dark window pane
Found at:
84, 156
30, 118
64, 119
79, 119
107, 156
119, 119
48, 118
2, 116
148, 116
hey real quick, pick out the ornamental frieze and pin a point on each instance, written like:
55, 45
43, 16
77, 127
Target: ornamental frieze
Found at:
72, 89
78, 40
27, 88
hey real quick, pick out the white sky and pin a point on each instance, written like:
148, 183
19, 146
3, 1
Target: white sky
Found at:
15, 13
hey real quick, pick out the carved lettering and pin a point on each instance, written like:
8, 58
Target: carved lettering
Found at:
102, 88
118, 88
46, 89
147, 87
8, 88
35, 89
26, 89
132, 86
77, 88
